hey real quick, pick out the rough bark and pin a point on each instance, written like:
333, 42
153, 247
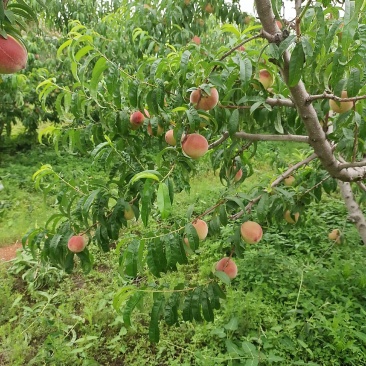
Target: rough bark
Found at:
355, 213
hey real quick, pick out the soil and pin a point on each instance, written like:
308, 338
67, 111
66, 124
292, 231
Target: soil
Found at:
8, 253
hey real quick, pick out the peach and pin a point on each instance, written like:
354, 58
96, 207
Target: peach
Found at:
194, 145
228, 266
265, 78
159, 130
238, 175
13, 55
129, 214
340, 107
251, 232
279, 24
209, 8
76, 244
289, 181
169, 138
201, 228
196, 40
291, 218
334, 234
136, 120
241, 48
202, 100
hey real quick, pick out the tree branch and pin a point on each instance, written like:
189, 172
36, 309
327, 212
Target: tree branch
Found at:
275, 183
355, 213
326, 95
259, 137
264, 137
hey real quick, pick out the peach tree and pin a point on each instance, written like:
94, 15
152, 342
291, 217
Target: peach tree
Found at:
155, 88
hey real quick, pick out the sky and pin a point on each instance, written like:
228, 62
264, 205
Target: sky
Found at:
247, 5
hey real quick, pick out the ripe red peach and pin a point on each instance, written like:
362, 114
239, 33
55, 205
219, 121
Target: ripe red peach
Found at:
251, 232
201, 100
13, 55
169, 138
136, 120
228, 266
291, 219
340, 107
194, 145
196, 40
76, 244
279, 24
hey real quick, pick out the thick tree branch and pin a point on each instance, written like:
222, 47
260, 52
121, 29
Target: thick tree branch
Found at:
355, 213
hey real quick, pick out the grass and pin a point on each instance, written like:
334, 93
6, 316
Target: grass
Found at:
298, 299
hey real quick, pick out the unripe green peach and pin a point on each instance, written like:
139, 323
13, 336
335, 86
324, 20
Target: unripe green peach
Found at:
251, 232
228, 266
291, 219
129, 214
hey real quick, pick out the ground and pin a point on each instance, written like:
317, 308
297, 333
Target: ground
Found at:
9, 252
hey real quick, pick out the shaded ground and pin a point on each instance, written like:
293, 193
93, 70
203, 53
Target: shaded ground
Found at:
9, 252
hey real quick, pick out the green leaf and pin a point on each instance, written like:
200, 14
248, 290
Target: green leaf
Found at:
246, 70
207, 309
278, 122
163, 201
223, 277
133, 88
296, 64
285, 44
121, 296
132, 302
156, 311
85, 260
187, 308
156, 258
99, 67
233, 124
147, 196
175, 252
353, 83
191, 235
146, 174
130, 259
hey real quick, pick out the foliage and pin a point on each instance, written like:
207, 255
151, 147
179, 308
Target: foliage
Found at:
149, 63
298, 299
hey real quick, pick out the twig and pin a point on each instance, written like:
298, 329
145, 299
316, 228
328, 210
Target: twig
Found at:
325, 95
